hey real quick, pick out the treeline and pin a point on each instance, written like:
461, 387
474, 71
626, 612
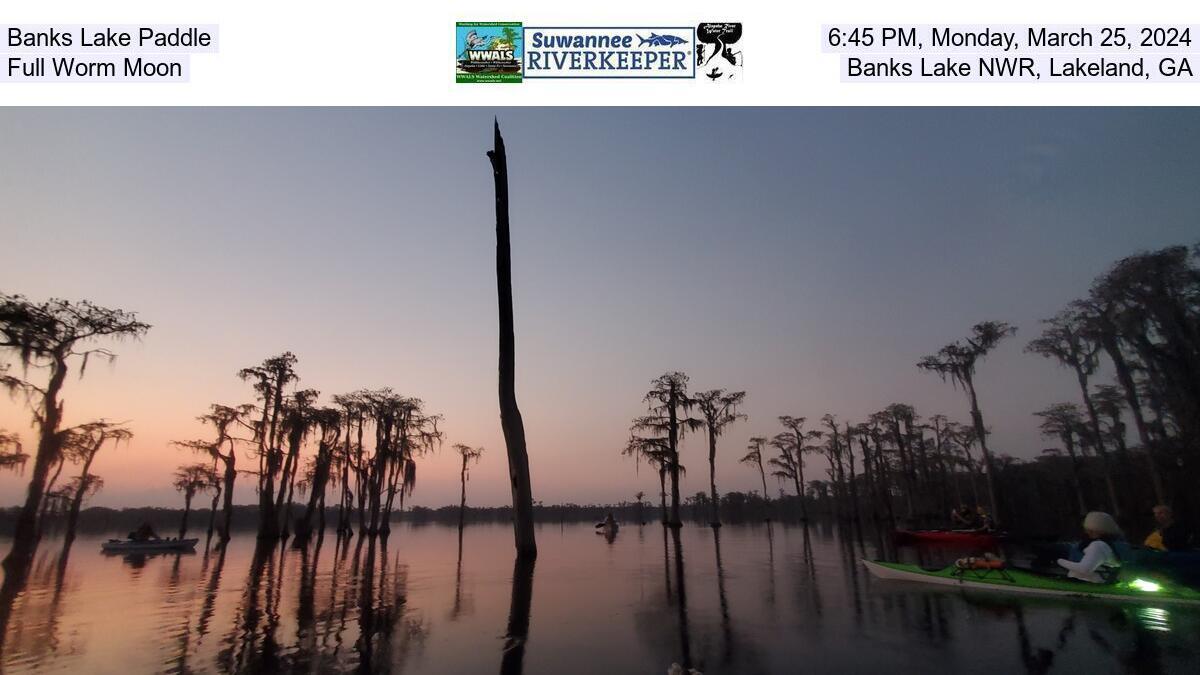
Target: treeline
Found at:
99, 520
358, 452
1139, 322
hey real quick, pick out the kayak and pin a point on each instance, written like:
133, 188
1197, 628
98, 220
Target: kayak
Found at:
1138, 589
607, 530
130, 546
1151, 558
947, 537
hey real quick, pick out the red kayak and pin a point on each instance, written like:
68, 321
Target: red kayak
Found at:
947, 537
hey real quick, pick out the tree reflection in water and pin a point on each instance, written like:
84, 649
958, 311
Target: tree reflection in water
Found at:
512, 662
726, 622
352, 605
462, 604
685, 644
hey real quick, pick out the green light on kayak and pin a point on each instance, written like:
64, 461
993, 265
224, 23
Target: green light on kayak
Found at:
1147, 586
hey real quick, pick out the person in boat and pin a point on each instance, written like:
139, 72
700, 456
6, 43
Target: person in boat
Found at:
145, 532
983, 521
1099, 564
610, 523
1169, 534
962, 518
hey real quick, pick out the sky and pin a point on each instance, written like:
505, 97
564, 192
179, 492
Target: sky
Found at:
807, 256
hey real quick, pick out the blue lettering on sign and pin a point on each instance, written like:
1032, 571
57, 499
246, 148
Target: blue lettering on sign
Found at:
608, 52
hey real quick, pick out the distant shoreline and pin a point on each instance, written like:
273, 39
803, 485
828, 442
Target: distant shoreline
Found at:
100, 519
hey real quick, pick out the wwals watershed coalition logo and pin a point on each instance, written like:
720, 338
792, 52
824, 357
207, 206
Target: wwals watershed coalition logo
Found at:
503, 51
487, 51
609, 52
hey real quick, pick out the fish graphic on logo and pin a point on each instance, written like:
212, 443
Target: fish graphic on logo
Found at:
656, 40
473, 41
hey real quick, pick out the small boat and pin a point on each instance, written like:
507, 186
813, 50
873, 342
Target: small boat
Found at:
973, 537
131, 546
607, 529
1137, 589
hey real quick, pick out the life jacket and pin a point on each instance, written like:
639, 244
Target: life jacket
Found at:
1154, 540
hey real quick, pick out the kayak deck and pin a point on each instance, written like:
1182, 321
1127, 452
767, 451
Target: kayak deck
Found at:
1020, 581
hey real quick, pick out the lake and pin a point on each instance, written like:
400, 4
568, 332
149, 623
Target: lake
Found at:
755, 599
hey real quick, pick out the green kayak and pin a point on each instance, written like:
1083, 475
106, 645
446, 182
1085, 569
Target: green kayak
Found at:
1140, 588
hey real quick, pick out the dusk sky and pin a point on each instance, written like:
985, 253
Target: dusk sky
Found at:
809, 257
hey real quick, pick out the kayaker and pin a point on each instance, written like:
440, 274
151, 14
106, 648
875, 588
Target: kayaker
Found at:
1169, 535
145, 532
1099, 563
983, 521
962, 518
610, 523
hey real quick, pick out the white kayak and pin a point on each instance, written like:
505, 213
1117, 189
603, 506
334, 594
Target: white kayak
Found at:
130, 546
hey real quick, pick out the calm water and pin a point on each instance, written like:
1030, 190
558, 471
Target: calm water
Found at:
757, 600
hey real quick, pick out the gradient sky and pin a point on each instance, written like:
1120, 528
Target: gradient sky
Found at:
808, 256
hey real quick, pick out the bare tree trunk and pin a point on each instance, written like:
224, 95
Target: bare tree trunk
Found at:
80, 491
715, 507
316, 496
869, 477
905, 466
49, 486
662, 492
981, 433
883, 483
943, 472
346, 501
212, 514
799, 490
25, 534
187, 509
853, 480
800, 475
763, 475
673, 442
1068, 439
227, 502
462, 503
268, 519
321, 516
1105, 460
510, 414
1125, 377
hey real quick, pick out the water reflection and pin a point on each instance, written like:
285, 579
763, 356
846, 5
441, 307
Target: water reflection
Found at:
685, 644
517, 635
810, 598
726, 620
461, 605
741, 599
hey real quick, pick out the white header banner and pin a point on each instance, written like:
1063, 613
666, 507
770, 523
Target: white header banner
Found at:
538, 52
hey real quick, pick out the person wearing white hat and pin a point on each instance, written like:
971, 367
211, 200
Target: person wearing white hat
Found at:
1099, 564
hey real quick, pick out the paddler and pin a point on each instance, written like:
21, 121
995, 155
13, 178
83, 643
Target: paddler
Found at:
983, 520
962, 518
1099, 563
1169, 534
144, 533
